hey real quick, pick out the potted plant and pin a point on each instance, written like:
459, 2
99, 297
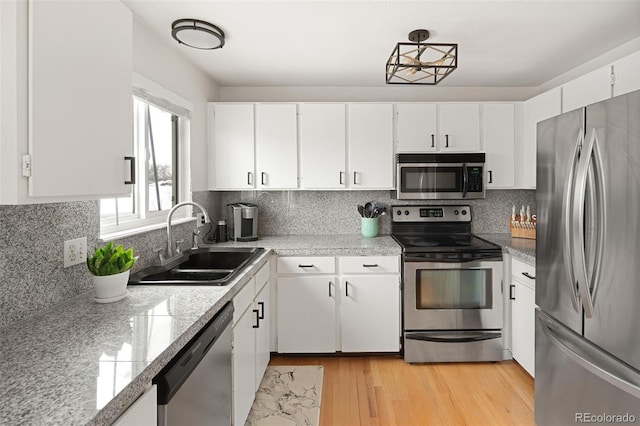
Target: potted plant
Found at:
110, 268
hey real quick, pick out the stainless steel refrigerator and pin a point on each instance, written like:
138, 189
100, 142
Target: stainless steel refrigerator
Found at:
588, 265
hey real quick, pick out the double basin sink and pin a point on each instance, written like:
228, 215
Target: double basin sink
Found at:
214, 266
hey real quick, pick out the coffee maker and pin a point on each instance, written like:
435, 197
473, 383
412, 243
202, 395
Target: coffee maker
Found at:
242, 221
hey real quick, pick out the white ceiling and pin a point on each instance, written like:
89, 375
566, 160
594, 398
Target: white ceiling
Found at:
346, 43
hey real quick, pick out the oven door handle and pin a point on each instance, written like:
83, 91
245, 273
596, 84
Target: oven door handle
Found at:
426, 259
453, 337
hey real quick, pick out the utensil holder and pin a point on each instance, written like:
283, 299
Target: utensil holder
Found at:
369, 226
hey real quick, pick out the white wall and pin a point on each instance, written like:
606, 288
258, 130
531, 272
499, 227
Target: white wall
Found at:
155, 60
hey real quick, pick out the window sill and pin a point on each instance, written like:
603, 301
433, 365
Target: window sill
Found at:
109, 236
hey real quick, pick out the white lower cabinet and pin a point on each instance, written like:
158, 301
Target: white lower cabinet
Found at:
352, 308
523, 302
250, 354
143, 411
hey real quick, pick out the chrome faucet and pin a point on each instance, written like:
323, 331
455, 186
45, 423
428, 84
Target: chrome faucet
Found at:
170, 249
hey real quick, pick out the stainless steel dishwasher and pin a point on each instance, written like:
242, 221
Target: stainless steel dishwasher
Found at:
194, 389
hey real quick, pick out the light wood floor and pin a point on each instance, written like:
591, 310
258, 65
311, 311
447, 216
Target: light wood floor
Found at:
387, 391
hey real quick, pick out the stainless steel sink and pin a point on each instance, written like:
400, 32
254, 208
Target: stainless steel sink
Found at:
216, 266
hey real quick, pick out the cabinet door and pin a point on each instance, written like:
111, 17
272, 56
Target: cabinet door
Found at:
370, 313
306, 314
587, 89
233, 146
538, 108
323, 145
80, 104
627, 72
416, 127
459, 127
244, 360
370, 146
143, 412
499, 141
523, 325
276, 146
263, 332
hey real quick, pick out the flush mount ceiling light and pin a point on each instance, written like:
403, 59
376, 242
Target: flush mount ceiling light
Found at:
421, 63
197, 34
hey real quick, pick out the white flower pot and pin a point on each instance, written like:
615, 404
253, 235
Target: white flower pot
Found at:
111, 288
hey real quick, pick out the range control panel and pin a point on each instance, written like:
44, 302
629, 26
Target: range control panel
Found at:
406, 213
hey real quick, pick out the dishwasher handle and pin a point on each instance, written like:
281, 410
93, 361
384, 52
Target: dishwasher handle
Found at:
176, 372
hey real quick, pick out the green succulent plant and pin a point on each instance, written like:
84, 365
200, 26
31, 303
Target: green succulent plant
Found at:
110, 260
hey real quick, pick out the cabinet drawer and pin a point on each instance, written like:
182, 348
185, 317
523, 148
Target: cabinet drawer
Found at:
523, 272
306, 265
243, 299
369, 264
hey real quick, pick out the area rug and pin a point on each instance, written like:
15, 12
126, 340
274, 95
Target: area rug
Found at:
288, 396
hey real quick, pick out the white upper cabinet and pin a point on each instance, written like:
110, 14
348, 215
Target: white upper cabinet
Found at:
498, 124
233, 146
627, 74
538, 108
323, 146
276, 146
459, 127
587, 89
370, 146
416, 127
71, 106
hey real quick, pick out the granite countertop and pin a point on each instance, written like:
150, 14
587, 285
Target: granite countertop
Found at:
83, 363
520, 248
324, 245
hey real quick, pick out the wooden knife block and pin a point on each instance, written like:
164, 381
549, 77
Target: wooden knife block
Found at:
517, 232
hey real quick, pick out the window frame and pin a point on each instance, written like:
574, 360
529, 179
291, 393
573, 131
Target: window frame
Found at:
143, 221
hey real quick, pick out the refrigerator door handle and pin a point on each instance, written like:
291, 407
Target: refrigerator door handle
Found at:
608, 368
577, 225
568, 248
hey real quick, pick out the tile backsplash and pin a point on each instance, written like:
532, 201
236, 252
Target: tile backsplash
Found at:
335, 212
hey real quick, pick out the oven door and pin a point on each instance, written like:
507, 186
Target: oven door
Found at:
452, 296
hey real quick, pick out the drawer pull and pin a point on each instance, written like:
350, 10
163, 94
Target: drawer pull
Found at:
511, 288
305, 266
346, 288
373, 265
526, 274
330, 295
261, 314
257, 324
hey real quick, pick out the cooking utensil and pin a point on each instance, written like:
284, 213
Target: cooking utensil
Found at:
361, 210
368, 209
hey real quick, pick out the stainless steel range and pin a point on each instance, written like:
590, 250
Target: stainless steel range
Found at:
452, 286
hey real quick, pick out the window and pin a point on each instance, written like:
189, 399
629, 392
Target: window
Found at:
160, 147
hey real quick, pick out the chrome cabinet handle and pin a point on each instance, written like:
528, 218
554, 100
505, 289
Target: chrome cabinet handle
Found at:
433, 140
132, 165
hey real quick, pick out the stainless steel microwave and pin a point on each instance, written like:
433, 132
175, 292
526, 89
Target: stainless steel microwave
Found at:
440, 176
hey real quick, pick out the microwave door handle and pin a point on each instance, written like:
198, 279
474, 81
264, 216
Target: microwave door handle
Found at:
464, 180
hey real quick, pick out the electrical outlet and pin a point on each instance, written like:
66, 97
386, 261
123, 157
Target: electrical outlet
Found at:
200, 219
75, 251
